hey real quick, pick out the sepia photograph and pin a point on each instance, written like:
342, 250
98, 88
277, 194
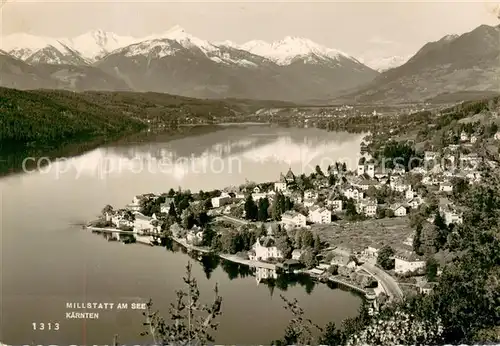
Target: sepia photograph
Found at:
249, 172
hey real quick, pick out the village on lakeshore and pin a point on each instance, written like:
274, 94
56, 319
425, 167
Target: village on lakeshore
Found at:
377, 229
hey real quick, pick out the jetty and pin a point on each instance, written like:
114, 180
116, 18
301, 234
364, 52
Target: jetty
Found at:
347, 284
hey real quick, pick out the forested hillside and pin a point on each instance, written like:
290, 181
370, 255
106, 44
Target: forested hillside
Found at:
49, 118
53, 118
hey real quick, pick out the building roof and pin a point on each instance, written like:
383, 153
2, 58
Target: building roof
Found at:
140, 216
292, 214
340, 260
289, 175
408, 256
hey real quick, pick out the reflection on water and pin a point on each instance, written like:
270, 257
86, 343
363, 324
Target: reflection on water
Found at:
232, 151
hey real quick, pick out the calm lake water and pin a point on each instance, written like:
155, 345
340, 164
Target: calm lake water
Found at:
47, 260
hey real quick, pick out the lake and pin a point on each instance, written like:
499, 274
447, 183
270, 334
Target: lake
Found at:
47, 260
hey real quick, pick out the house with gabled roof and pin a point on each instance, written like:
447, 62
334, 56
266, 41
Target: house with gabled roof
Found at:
265, 248
320, 215
398, 209
291, 219
406, 262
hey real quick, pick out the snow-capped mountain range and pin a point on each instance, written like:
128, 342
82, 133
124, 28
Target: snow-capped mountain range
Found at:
384, 63
90, 46
94, 45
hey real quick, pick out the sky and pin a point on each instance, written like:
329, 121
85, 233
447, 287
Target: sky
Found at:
358, 28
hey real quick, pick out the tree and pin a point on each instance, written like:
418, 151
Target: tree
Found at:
263, 207
384, 258
332, 180
431, 268
309, 259
300, 330
317, 244
278, 206
191, 323
208, 236
208, 204
129, 216
187, 219
284, 244
333, 269
350, 208
107, 209
319, 171
307, 239
417, 239
442, 231
171, 210
251, 209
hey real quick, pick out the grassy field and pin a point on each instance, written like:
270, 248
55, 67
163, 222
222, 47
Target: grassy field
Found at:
359, 235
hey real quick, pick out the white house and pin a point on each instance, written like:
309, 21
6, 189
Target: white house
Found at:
361, 169
399, 210
265, 248
353, 193
430, 155
370, 209
143, 223
296, 254
415, 202
370, 253
220, 201
473, 139
469, 161
320, 215
497, 136
430, 180
336, 205
464, 136
427, 287
370, 169
292, 219
280, 186
406, 264
367, 207
398, 185
118, 220
309, 202
310, 194
409, 194
451, 216
445, 187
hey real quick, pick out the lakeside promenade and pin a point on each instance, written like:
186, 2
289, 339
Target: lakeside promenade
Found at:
387, 283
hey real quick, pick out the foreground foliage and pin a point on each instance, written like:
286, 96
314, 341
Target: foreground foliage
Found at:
191, 323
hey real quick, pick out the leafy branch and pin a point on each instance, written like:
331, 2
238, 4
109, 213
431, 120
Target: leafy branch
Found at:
191, 323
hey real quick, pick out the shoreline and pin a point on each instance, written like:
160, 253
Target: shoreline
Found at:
229, 257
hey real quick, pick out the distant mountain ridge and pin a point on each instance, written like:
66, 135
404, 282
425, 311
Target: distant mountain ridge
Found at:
292, 69
177, 62
467, 62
